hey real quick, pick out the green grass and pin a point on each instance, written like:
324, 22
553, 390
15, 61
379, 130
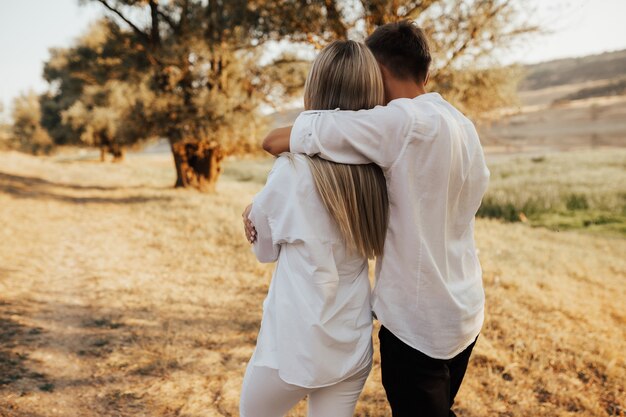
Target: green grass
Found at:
583, 190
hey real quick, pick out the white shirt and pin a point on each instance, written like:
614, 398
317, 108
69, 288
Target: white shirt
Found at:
428, 289
317, 322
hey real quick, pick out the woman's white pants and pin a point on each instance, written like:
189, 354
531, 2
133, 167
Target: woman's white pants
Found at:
264, 394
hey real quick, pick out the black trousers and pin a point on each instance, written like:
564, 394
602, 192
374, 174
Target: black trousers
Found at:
416, 384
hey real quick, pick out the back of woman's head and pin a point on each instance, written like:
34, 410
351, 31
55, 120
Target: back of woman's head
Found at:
345, 75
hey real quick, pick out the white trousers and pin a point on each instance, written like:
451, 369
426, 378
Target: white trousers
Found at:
264, 394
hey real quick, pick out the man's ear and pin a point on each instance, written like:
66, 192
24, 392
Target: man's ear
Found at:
427, 78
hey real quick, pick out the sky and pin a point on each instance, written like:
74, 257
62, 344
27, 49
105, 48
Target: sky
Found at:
28, 28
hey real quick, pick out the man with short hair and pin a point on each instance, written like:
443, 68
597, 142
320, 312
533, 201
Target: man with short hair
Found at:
428, 294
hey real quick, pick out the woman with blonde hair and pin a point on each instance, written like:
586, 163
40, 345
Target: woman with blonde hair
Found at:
320, 221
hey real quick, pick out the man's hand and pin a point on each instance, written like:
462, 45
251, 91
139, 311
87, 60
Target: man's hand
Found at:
248, 227
277, 141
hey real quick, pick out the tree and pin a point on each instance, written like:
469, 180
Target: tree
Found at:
27, 132
5, 130
93, 86
465, 36
204, 78
195, 71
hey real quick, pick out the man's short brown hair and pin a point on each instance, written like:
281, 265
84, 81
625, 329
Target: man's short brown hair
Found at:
402, 48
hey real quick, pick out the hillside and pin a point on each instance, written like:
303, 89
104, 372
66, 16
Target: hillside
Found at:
603, 66
576, 103
120, 296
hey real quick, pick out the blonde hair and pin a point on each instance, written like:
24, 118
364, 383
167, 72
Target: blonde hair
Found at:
345, 75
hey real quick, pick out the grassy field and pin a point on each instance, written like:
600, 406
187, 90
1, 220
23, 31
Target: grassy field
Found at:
120, 296
562, 191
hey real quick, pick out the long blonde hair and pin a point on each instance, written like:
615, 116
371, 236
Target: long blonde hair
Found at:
345, 75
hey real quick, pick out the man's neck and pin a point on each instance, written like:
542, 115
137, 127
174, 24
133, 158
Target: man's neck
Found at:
395, 88
404, 90
401, 88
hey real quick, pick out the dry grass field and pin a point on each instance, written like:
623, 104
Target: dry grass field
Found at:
120, 296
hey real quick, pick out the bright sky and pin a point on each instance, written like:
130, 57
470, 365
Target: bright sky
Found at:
29, 27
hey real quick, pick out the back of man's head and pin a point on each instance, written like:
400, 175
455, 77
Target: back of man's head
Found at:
403, 49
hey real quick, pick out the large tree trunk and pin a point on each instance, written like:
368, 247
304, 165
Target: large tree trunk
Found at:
198, 164
117, 151
107, 146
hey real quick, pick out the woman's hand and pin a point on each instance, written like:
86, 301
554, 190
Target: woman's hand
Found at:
248, 227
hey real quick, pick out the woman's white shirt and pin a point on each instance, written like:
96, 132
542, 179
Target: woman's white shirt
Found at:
317, 324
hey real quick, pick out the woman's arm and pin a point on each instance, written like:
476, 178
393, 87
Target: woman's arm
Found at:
269, 213
264, 247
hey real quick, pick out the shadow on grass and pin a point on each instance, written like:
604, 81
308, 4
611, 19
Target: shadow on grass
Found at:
39, 188
14, 341
119, 351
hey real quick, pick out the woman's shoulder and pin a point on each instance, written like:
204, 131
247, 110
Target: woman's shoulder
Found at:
288, 187
293, 159
291, 166
290, 175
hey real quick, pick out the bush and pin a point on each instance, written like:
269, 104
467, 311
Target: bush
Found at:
493, 209
576, 202
27, 133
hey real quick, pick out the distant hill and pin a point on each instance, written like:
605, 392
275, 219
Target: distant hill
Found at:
575, 103
609, 65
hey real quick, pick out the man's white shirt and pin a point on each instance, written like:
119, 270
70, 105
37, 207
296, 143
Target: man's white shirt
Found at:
428, 290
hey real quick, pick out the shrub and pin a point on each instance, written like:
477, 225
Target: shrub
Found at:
491, 208
576, 202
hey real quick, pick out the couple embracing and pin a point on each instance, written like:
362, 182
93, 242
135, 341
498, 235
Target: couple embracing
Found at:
379, 168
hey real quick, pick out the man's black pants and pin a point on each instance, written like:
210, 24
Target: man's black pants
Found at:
416, 384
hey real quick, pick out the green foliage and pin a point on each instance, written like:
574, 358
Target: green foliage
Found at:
27, 133
577, 190
477, 91
93, 87
464, 35
491, 208
576, 202
5, 136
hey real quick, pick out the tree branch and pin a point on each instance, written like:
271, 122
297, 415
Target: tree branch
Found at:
138, 31
334, 19
418, 9
155, 35
168, 20
476, 28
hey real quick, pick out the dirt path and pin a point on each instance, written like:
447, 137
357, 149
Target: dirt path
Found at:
51, 294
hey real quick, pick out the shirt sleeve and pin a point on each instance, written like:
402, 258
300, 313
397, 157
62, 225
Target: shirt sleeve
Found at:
354, 137
274, 211
264, 247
